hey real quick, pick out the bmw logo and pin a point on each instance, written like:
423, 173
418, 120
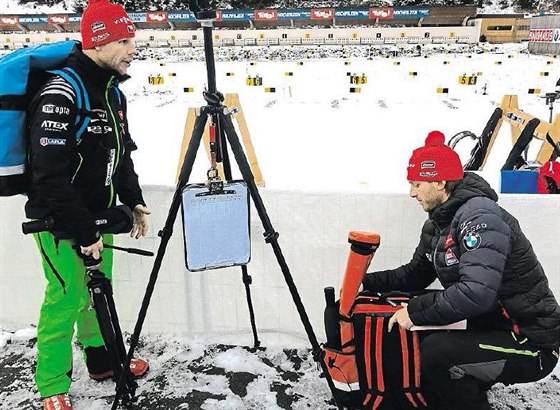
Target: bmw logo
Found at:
471, 241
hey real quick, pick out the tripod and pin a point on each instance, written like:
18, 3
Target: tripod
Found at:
221, 121
101, 293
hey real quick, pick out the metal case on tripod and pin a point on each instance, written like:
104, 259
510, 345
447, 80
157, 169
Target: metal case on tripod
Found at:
216, 226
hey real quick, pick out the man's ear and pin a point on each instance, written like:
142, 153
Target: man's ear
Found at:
441, 185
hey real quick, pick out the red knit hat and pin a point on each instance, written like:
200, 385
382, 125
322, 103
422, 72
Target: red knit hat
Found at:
435, 161
104, 22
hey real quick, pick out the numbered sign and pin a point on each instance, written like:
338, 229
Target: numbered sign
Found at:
358, 79
467, 79
155, 80
254, 81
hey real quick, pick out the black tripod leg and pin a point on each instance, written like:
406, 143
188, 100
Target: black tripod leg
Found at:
105, 325
271, 236
165, 235
119, 341
247, 280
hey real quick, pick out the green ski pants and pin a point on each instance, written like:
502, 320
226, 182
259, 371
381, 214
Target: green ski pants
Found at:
66, 303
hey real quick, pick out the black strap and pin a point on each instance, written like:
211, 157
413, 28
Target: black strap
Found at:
13, 102
555, 146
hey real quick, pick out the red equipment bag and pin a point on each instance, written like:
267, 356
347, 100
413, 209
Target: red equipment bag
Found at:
371, 368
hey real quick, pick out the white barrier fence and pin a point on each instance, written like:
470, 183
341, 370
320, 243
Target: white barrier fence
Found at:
313, 228
286, 37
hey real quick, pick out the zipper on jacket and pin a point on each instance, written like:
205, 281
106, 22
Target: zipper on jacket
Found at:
117, 138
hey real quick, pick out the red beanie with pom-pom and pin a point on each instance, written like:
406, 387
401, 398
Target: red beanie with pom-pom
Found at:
104, 22
435, 161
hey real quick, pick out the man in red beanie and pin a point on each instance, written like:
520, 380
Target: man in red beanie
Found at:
77, 174
490, 276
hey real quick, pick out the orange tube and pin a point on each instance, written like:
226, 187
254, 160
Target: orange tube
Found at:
362, 248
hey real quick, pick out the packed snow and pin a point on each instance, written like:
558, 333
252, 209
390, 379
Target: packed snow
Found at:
332, 139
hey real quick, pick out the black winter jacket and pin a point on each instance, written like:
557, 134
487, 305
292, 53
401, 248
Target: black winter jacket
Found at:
72, 180
486, 265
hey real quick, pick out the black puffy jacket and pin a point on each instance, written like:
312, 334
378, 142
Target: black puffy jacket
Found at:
486, 265
71, 179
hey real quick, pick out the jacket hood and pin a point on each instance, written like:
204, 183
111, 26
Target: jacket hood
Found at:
470, 186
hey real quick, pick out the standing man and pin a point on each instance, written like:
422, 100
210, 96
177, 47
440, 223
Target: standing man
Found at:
75, 176
491, 277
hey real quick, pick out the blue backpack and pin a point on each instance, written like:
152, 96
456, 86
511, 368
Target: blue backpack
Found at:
22, 72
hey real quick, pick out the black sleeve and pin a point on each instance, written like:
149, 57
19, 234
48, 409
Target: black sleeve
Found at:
480, 271
54, 159
129, 190
415, 275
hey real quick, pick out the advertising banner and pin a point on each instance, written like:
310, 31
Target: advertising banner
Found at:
236, 15
322, 14
138, 17
382, 13
156, 17
410, 12
351, 13
180, 15
75, 18
266, 15
37, 19
58, 19
543, 35
294, 14
9, 20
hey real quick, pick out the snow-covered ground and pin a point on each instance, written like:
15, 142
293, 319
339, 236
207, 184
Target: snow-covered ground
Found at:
312, 133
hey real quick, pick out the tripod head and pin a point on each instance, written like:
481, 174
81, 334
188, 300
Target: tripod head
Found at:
202, 9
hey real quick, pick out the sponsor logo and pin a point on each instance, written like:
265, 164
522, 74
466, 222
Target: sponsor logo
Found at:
49, 125
156, 17
429, 257
428, 174
541, 35
100, 114
101, 222
100, 37
448, 241
58, 19
266, 14
99, 129
380, 13
110, 166
428, 164
52, 141
322, 14
130, 28
411, 165
471, 241
9, 20
123, 19
98, 25
515, 118
450, 258
55, 109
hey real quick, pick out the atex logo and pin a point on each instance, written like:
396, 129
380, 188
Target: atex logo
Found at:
49, 125
55, 109
52, 141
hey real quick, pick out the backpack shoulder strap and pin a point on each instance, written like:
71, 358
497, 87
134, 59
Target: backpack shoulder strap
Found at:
82, 98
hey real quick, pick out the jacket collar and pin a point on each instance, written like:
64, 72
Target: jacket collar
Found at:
470, 186
88, 69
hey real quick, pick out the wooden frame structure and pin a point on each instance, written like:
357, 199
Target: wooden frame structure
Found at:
518, 119
231, 100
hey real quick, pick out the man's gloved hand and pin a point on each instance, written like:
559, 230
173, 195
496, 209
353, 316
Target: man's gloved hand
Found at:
93, 250
140, 223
